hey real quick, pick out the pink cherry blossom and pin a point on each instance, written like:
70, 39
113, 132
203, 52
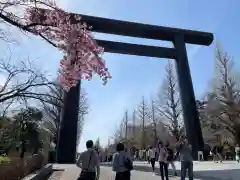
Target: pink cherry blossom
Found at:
82, 55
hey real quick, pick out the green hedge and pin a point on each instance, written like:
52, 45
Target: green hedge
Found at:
4, 159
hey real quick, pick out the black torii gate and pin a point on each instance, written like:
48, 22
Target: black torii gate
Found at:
66, 148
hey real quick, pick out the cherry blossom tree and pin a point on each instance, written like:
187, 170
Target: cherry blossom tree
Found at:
65, 31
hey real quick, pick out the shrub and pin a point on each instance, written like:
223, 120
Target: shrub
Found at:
4, 159
34, 163
17, 168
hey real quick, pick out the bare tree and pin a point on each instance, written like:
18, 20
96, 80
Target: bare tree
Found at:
121, 129
97, 145
129, 139
143, 117
153, 116
169, 104
133, 124
22, 82
117, 134
53, 110
202, 111
121, 133
225, 114
81, 121
126, 124
83, 111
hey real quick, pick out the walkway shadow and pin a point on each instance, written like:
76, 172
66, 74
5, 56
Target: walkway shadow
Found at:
229, 174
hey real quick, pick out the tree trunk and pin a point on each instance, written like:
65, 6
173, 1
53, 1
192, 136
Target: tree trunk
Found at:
22, 140
23, 149
237, 135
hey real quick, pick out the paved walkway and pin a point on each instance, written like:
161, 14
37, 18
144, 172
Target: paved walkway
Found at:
142, 171
228, 170
71, 173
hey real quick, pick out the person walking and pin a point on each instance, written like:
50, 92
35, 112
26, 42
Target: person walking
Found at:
170, 158
237, 152
89, 162
214, 154
163, 161
152, 156
148, 155
140, 154
219, 153
122, 163
185, 155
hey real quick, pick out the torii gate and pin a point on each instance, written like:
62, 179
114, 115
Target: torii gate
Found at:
66, 148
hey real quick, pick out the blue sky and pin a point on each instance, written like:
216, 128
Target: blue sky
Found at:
135, 76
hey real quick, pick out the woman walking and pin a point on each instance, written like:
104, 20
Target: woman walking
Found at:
122, 163
163, 161
152, 155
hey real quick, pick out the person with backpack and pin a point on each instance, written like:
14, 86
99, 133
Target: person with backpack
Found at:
89, 162
122, 163
170, 158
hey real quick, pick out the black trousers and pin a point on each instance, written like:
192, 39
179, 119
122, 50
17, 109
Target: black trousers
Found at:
163, 170
85, 175
123, 175
153, 163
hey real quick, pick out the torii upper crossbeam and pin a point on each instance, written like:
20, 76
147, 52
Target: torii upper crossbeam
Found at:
66, 148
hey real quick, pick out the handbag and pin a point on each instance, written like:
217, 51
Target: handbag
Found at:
85, 174
169, 154
128, 164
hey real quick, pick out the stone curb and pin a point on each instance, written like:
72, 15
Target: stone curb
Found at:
40, 174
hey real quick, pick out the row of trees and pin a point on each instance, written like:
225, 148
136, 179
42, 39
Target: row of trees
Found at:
31, 106
161, 117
